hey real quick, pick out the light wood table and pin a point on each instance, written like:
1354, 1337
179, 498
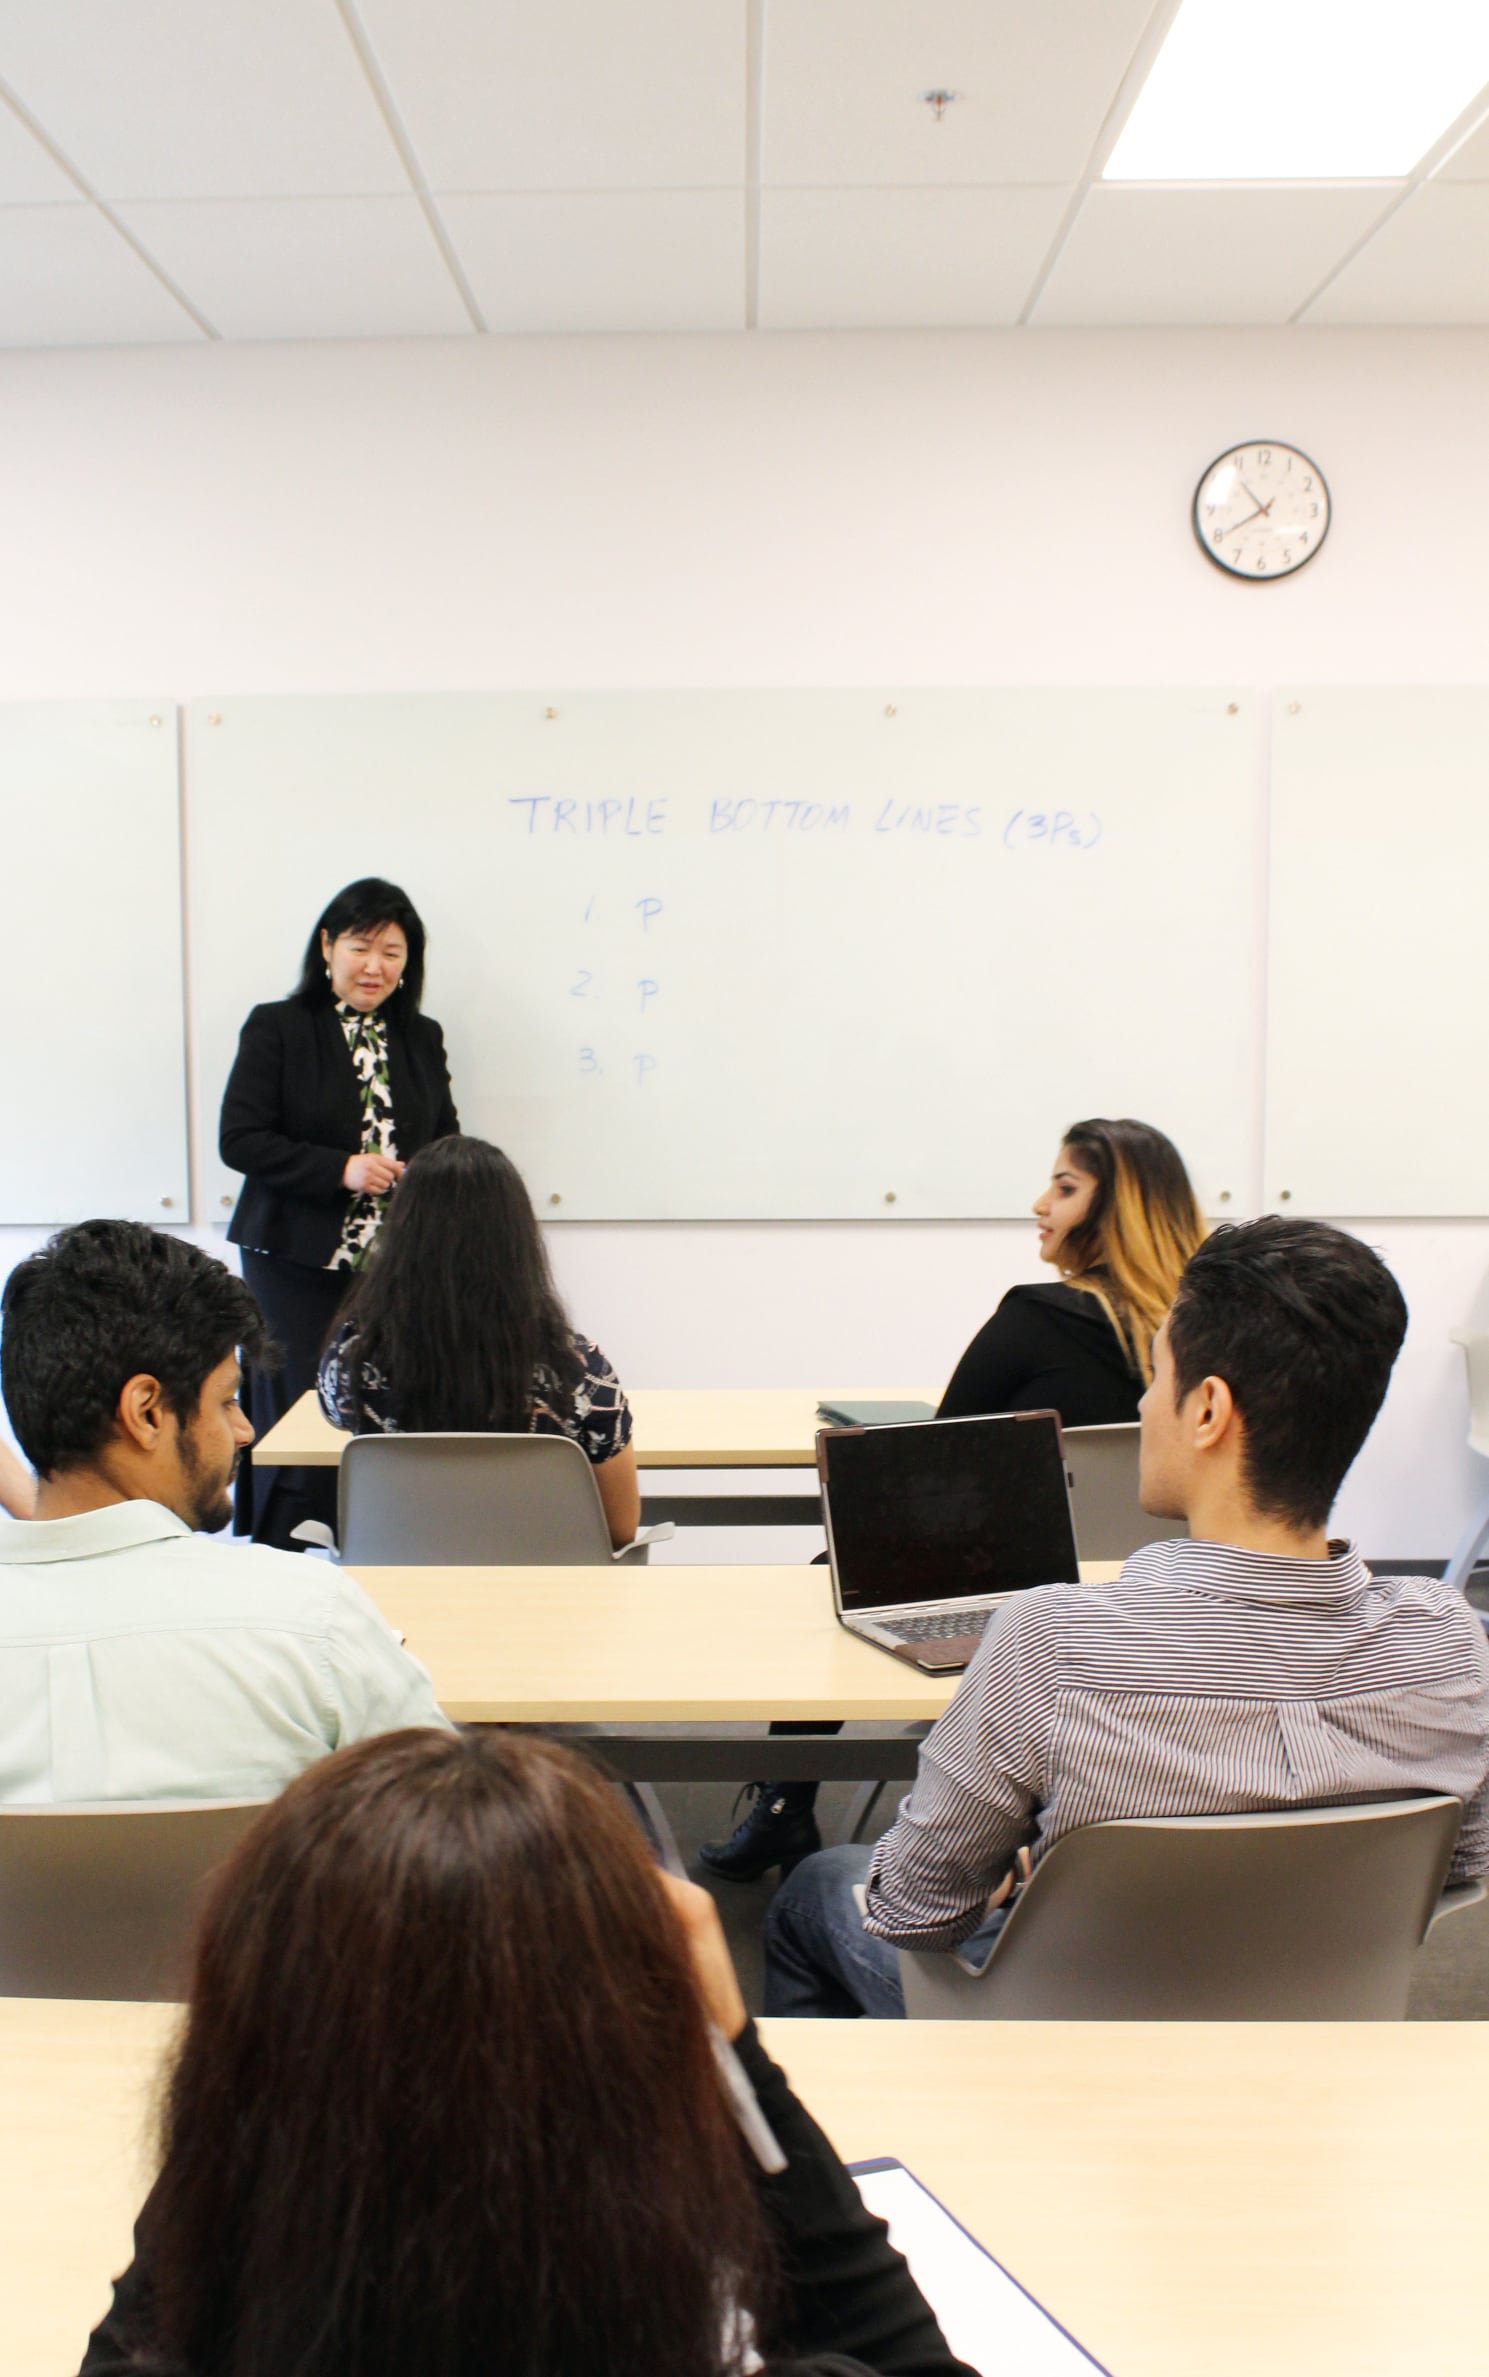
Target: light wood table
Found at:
676, 1427
672, 1646
699, 1428
1191, 2200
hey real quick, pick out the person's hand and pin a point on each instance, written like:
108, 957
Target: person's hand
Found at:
1017, 1872
713, 1971
371, 1175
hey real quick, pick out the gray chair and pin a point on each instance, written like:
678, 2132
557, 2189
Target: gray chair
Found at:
97, 1901
1313, 1915
464, 1501
1110, 1522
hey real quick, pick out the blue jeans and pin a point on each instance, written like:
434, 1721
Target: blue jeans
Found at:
820, 1961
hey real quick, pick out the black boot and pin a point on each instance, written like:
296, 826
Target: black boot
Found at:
780, 1829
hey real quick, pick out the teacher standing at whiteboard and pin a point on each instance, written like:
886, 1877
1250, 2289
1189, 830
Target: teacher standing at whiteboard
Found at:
332, 1091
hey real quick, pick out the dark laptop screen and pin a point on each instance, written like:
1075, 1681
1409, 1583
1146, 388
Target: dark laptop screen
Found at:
950, 1507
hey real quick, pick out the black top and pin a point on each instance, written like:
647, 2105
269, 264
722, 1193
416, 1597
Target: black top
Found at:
1046, 1349
292, 1114
850, 2307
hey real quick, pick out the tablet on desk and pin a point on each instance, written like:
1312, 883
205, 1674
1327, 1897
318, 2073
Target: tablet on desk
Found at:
987, 2318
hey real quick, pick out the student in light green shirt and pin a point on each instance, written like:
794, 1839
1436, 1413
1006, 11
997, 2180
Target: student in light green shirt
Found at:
138, 1661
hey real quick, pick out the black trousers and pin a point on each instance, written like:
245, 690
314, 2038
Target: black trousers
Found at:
300, 1306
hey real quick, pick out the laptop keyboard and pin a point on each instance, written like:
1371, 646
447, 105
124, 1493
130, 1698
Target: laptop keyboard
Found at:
963, 1621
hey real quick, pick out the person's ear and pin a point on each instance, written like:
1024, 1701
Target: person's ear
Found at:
142, 1412
325, 945
1214, 1414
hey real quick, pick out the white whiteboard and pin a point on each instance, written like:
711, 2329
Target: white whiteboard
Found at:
1378, 997
92, 1029
721, 955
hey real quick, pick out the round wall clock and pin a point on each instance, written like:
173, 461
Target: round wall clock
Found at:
1261, 510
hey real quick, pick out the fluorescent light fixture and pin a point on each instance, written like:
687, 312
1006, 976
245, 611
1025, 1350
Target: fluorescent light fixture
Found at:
1303, 90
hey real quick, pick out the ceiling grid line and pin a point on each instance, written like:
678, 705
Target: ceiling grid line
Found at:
1473, 118
101, 207
1139, 66
377, 83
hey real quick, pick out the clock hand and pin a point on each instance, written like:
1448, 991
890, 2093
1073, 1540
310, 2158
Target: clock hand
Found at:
1248, 517
1260, 507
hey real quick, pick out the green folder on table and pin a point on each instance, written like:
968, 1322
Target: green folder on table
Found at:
875, 1415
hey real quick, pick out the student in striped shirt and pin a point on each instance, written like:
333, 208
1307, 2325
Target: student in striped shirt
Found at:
1254, 1665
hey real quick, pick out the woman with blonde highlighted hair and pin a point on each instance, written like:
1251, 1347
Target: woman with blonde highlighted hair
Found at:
1118, 1221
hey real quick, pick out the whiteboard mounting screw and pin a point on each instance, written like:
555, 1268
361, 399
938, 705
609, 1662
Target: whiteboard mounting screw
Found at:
227, 1200
1225, 1196
890, 710
155, 722
167, 1200
214, 718
555, 1198
889, 1196
550, 713
1232, 709
1293, 708
939, 101
1284, 1196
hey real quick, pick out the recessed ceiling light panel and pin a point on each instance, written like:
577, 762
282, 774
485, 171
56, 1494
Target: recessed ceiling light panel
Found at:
1303, 90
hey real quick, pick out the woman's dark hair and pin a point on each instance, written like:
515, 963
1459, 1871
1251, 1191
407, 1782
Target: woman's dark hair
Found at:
456, 1307
361, 908
1304, 1323
445, 2099
104, 1302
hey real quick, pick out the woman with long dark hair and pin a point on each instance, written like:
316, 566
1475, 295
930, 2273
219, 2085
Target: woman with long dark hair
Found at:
455, 1324
447, 2101
331, 1092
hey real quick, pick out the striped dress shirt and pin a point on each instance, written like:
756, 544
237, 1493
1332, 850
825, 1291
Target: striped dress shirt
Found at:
1204, 1681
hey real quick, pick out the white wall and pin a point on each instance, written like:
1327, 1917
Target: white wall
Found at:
817, 510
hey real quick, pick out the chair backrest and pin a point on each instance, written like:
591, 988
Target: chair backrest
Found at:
1475, 1344
1313, 1915
98, 1901
465, 1501
1110, 1522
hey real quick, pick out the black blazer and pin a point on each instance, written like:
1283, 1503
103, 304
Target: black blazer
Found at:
291, 1115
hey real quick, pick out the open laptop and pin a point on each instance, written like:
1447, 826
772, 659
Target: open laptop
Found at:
931, 1527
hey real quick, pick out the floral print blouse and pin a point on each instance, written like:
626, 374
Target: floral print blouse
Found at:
367, 1039
593, 1412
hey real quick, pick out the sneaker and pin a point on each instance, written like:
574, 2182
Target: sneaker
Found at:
780, 1829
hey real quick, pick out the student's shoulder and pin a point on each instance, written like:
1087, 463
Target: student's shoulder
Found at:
1053, 1296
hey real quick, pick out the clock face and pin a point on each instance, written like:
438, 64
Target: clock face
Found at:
1261, 511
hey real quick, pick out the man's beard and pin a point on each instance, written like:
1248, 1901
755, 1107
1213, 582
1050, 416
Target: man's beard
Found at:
210, 1507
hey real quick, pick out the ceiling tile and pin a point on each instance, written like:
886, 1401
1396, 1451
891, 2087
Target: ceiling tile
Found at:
28, 176
569, 95
68, 280
843, 80
624, 260
1470, 163
901, 259
200, 98
1428, 264
305, 267
1242, 253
